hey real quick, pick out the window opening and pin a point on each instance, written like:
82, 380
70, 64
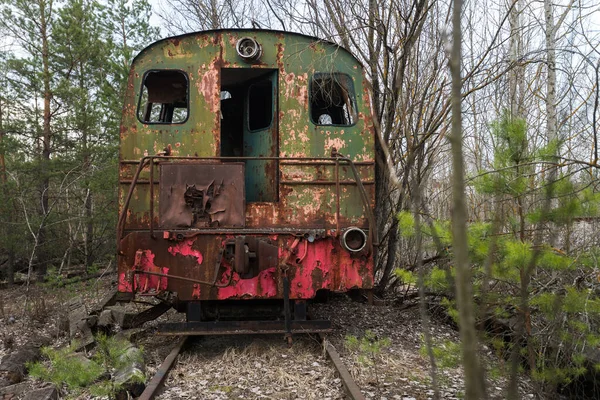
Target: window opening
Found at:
332, 99
260, 105
164, 98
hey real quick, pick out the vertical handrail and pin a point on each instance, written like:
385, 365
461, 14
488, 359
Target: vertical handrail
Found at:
372, 237
337, 193
123, 216
152, 198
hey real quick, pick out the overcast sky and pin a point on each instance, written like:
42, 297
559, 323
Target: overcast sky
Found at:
155, 20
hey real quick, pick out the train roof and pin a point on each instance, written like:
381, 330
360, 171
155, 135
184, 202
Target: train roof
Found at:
273, 31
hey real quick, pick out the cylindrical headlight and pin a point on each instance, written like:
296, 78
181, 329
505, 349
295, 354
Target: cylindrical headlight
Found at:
248, 49
354, 239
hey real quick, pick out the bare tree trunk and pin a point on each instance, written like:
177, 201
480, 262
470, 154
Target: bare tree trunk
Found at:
551, 124
89, 231
595, 120
86, 169
46, 139
515, 50
10, 273
474, 380
417, 196
3, 177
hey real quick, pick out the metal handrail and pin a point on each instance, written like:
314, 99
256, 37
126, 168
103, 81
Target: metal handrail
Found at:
336, 158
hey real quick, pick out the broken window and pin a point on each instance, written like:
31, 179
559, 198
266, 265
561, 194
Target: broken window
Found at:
164, 97
332, 99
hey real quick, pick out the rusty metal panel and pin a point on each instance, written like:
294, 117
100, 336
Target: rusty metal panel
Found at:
201, 195
312, 194
208, 275
194, 258
203, 56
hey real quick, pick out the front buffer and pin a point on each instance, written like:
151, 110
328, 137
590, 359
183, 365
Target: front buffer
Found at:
205, 271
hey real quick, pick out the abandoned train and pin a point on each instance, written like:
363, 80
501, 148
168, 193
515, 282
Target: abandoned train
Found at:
246, 176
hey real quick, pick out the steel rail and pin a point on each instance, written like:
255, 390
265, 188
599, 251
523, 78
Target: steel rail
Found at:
158, 379
351, 388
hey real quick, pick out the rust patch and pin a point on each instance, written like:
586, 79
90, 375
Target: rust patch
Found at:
202, 195
196, 291
232, 39
289, 79
334, 144
208, 86
279, 56
143, 283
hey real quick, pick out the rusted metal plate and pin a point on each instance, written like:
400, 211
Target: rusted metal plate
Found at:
311, 265
202, 195
194, 258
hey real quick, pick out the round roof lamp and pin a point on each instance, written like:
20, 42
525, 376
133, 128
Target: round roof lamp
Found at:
248, 49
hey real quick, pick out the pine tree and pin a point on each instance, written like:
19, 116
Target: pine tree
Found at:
544, 288
81, 54
31, 23
128, 25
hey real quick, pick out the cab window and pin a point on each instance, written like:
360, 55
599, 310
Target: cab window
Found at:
332, 99
164, 98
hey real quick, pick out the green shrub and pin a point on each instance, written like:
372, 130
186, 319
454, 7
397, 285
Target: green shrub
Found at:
66, 369
77, 374
369, 347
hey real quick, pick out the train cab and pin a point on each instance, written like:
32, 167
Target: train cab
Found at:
246, 175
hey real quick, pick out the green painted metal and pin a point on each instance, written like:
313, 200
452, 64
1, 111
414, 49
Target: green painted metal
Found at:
296, 58
261, 176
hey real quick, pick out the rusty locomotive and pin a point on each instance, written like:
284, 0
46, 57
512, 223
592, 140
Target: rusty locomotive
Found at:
246, 178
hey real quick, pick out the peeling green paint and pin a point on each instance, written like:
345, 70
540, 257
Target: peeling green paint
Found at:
201, 56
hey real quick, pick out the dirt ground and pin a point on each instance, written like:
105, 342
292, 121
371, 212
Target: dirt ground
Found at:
400, 370
389, 364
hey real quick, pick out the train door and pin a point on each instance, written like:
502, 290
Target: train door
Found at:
260, 139
249, 127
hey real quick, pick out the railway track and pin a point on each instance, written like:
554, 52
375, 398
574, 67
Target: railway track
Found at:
351, 389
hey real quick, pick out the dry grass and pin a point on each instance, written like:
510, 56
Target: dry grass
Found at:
253, 368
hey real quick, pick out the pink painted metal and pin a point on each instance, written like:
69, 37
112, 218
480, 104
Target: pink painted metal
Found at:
185, 249
143, 283
262, 286
310, 266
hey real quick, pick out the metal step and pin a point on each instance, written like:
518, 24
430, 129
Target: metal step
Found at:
242, 327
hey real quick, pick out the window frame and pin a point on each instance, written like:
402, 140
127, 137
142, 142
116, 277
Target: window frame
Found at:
187, 96
310, 99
